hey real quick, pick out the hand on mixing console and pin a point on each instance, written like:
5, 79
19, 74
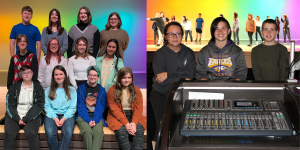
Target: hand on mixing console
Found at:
161, 77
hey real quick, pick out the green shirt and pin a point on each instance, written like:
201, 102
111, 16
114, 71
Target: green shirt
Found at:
270, 62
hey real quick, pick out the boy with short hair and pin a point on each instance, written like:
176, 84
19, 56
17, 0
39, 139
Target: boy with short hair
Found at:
269, 59
199, 27
31, 31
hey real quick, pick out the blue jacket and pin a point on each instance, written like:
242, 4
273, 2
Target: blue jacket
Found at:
101, 103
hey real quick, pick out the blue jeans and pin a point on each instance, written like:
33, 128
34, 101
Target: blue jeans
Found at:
186, 34
236, 34
66, 131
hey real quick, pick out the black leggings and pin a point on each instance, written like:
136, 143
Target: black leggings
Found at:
250, 37
258, 31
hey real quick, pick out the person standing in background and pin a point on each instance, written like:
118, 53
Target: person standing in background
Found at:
235, 28
54, 30
187, 28
173, 19
32, 33
86, 29
166, 20
161, 27
286, 28
199, 27
278, 27
154, 27
250, 28
258, 24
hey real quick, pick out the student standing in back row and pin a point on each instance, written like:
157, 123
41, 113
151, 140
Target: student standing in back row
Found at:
86, 29
199, 27
31, 32
270, 59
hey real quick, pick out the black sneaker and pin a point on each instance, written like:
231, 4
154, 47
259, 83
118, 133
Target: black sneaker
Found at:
157, 45
249, 45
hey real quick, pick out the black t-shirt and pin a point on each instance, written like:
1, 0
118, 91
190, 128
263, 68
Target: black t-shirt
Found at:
91, 98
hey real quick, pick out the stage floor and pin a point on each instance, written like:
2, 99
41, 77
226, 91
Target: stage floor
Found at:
196, 46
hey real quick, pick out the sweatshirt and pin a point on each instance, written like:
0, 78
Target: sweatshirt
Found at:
12, 100
13, 71
227, 63
60, 105
177, 65
270, 62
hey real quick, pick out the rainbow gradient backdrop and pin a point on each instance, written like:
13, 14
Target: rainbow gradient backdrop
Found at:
210, 9
132, 12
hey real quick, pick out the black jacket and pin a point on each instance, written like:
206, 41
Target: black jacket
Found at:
34, 65
12, 100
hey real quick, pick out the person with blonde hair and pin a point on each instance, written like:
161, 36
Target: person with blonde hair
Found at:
286, 28
235, 28
250, 28
258, 24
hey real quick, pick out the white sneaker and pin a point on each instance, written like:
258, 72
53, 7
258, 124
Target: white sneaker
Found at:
185, 43
284, 43
192, 43
256, 42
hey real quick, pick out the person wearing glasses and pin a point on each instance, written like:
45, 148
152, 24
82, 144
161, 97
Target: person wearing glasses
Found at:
48, 62
113, 31
54, 30
171, 62
22, 57
86, 29
78, 63
91, 102
25, 102
221, 59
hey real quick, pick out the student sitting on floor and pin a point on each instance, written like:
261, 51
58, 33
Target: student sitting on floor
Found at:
24, 103
270, 59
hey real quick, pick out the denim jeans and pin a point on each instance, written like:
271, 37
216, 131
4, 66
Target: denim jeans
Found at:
236, 35
66, 131
186, 34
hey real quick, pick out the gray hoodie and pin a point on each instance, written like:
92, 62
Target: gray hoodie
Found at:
227, 63
177, 65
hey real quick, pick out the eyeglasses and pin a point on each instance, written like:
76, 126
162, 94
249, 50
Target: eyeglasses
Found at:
171, 35
93, 75
27, 73
53, 44
111, 19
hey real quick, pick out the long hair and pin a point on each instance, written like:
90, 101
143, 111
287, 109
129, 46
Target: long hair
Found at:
107, 26
86, 52
54, 85
184, 19
258, 17
235, 15
250, 16
214, 26
88, 13
60, 29
166, 29
58, 53
116, 53
118, 90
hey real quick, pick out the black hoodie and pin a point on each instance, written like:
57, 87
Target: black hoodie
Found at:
227, 63
177, 65
34, 65
12, 100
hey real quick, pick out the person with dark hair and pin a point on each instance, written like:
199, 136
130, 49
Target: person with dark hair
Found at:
286, 28
55, 30
250, 28
161, 27
258, 24
171, 62
109, 64
125, 101
154, 27
173, 19
221, 59
268, 17
113, 31
221, 15
22, 57
78, 63
91, 102
60, 108
24, 103
86, 29
165, 19
199, 27
278, 27
235, 28
32, 33
270, 60
49, 61
187, 28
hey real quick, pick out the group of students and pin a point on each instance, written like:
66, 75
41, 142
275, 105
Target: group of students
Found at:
221, 59
93, 90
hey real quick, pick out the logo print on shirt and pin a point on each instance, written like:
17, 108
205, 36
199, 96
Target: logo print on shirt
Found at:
185, 61
219, 65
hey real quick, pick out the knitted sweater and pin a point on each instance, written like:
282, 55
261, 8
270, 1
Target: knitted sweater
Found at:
120, 35
250, 26
62, 39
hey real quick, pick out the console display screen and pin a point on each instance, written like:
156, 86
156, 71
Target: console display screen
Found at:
239, 104
243, 104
